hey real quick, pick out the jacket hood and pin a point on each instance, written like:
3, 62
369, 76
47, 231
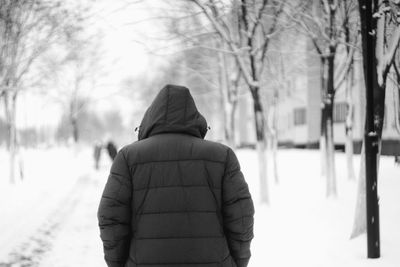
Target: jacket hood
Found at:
173, 111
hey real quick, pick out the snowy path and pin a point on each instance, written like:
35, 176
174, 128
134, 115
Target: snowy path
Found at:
68, 236
78, 242
50, 219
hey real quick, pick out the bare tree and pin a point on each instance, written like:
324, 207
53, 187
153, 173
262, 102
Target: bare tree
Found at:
324, 22
190, 32
273, 131
75, 76
386, 36
249, 49
230, 76
27, 30
242, 31
350, 24
279, 88
396, 91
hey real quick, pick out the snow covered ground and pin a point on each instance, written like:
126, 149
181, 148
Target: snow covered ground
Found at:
32, 212
301, 227
49, 220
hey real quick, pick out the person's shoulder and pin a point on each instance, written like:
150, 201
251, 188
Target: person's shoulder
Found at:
128, 148
215, 145
132, 152
214, 150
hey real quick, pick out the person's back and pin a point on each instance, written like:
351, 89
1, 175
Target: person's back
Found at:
173, 198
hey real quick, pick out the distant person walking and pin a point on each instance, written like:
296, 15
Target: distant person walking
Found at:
111, 149
97, 154
173, 198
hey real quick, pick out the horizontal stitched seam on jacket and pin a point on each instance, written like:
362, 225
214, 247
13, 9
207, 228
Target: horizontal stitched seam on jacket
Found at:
117, 174
172, 186
237, 219
116, 200
243, 240
201, 263
123, 238
232, 171
114, 259
180, 237
113, 224
189, 211
170, 160
176, 263
231, 202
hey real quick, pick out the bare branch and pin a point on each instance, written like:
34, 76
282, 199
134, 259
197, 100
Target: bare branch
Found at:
347, 67
225, 36
389, 55
272, 29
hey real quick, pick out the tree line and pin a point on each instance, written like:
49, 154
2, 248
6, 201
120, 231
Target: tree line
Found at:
235, 46
44, 50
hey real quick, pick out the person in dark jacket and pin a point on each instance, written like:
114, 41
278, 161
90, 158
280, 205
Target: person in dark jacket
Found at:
97, 154
173, 198
111, 149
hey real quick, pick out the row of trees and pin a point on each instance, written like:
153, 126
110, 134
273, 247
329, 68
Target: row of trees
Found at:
91, 126
245, 35
331, 25
39, 40
243, 38
235, 36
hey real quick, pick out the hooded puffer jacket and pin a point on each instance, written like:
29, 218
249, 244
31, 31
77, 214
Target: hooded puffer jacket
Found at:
173, 198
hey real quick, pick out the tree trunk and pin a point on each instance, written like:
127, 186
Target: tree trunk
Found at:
322, 151
331, 189
261, 144
227, 103
7, 113
349, 127
349, 78
275, 157
322, 139
398, 110
360, 219
330, 146
328, 97
233, 99
262, 163
75, 129
273, 127
396, 104
359, 224
10, 105
232, 123
223, 96
375, 74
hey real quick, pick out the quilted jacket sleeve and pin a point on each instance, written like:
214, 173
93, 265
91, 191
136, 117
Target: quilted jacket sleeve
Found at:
237, 210
114, 213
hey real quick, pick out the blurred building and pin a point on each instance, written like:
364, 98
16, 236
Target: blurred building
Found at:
299, 104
